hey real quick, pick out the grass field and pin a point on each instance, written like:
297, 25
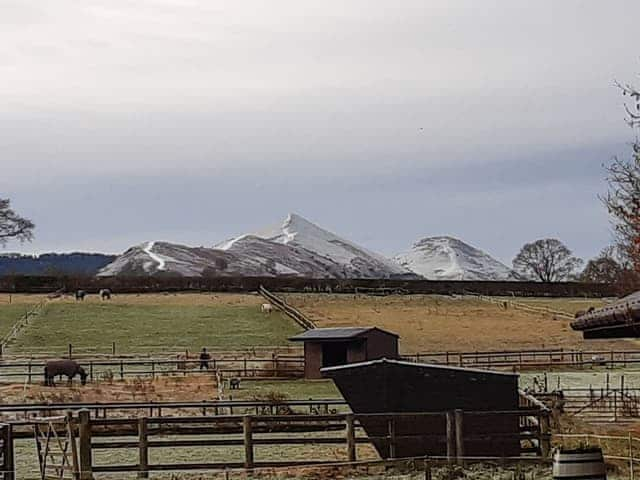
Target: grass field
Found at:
439, 323
13, 307
142, 323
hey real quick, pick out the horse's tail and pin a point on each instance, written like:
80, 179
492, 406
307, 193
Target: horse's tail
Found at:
46, 375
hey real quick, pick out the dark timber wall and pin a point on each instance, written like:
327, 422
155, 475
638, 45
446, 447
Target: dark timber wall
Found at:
163, 283
389, 386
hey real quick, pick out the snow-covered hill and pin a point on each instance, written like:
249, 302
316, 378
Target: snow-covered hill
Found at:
297, 247
447, 258
348, 259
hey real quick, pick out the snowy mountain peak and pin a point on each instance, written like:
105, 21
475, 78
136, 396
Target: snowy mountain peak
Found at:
295, 247
448, 258
352, 260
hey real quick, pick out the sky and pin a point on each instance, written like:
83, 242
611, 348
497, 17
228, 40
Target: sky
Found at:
385, 122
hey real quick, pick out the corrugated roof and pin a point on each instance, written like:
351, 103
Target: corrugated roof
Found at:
338, 333
415, 365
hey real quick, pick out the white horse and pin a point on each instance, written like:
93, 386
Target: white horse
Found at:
266, 308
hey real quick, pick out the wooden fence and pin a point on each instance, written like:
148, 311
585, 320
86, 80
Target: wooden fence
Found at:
250, 434
292, 312
527, 307
161, 409
21, 323
112, 351
275, 367
530, 359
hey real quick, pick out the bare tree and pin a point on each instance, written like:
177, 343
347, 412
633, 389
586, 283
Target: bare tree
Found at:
547, 260
623, 197
12, 225
603, 269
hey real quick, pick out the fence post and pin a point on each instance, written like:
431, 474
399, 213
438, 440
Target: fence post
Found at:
29, 374
631, 473
74, 446
351, 438
7, 452
427, 468
86, 468
121, 370
248, 441
391, 425
459, 419
143, 449
451, 441
91, 371
113, 348
544, 439
70, 351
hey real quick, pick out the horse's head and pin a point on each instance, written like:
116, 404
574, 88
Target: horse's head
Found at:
83, 376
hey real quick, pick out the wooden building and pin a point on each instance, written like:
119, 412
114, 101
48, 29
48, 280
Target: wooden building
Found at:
386, 386
328, 347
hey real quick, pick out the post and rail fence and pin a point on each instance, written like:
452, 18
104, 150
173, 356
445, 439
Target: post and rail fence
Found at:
249, 434
274, 367
530, 358
25, 411
20, 324
292, 312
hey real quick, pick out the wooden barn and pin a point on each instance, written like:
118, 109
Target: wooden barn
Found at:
393, 386
328, 347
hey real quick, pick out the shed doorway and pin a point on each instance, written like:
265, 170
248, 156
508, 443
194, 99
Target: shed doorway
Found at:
334, 353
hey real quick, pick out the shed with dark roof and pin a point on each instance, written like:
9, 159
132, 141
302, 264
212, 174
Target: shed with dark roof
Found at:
393, 386
329, 347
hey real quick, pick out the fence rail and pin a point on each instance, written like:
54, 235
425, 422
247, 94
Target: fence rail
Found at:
523, 359
25, 411
527, 307
292, 312
17, 327
276, 367
252, 433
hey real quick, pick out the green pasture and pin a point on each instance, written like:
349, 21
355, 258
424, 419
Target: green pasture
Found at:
138, 328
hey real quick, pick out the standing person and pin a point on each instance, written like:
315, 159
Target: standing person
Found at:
204, 359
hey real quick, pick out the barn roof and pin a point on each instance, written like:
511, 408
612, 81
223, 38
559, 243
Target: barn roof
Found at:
424, 366
339, 333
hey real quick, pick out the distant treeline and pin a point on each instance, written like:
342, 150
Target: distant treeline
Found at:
54, 264
42, 284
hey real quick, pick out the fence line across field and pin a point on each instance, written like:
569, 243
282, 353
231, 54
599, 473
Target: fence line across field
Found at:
558, 357
161, 408
510, 303
248, 432
19, 325
275, 367
113, 350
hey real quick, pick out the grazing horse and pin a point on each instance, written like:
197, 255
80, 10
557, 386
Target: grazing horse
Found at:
105, 294
234, 383
63, 367
266, 308
80, 294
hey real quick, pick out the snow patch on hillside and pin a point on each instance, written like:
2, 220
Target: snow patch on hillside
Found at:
162, 265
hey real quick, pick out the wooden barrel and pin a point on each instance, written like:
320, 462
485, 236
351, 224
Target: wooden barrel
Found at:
579, 464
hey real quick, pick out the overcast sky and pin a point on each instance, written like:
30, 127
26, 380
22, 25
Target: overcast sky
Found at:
192, 121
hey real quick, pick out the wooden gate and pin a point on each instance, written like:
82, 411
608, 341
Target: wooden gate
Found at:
56, 448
